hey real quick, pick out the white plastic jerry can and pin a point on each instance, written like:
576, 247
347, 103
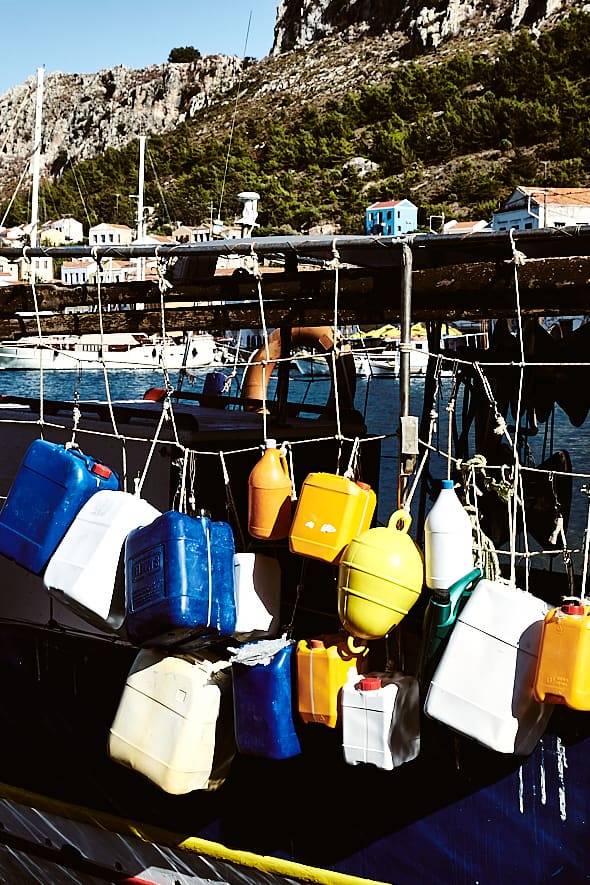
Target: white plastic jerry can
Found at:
170, 725
84, 573
258, 594
448, 540
483, 686
381, 719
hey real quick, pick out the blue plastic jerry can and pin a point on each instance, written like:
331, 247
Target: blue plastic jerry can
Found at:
52, 484
179, 579
263, 705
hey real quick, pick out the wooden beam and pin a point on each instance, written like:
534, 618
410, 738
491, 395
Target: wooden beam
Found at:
543, 286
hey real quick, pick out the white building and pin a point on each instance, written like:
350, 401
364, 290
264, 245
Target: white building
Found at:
70, 230
530, 208
78, 272
465, 227
110, 235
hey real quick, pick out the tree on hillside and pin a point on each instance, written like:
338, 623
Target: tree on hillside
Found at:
183, 54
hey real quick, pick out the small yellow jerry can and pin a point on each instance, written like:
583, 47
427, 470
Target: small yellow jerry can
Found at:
563, 664
323, 667
331, 510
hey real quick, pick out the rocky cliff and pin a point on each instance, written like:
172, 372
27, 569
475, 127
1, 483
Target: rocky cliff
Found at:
422, 24
346, 43
83, 114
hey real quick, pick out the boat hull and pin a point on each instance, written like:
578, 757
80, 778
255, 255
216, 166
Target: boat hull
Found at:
70, 354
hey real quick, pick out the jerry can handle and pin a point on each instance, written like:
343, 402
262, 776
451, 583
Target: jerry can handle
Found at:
354, 649
467, 582
400, 516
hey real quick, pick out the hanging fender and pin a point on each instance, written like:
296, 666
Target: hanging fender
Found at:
261, 365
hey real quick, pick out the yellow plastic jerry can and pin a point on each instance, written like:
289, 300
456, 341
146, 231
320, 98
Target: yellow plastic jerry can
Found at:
563, 663
380, 577
331, 510
323, 667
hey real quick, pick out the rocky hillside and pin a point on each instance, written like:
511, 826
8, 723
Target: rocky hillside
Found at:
84, 114
421, 26
322, 49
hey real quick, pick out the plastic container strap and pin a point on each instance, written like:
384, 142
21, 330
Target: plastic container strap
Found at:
287, 452
231, 504
351, 470
139, 481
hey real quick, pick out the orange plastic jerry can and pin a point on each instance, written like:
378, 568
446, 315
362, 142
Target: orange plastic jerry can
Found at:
563, 663
331, 510
323, 667
269, 495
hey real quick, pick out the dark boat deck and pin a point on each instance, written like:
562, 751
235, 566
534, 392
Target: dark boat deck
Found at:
459, 812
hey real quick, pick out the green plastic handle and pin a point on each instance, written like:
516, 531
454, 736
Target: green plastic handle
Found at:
439, 618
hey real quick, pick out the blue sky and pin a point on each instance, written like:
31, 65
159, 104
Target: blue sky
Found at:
82, 38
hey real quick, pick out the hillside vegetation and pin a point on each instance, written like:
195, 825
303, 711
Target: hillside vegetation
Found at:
455, 137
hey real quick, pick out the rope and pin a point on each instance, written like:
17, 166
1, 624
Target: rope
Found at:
586, 546
501, 428
450, 411
335, 265
27, 260
233, 122
256, 272
165, 414
231, 501
105, 373
487, 557
518, 260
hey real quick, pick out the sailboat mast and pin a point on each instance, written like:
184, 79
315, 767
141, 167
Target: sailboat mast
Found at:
140, 231
140, 222
34, 237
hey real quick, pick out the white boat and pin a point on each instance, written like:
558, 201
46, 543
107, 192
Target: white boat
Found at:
310, 364
384, 361
114, 350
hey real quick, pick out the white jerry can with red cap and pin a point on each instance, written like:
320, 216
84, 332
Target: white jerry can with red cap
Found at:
86, 572
381, 719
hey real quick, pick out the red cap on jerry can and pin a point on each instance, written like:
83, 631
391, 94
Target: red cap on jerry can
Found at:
571, 609
101, 470
369, 683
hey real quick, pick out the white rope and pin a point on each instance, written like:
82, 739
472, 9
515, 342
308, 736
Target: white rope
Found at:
27, 260
105, 373
586, 547
335, 264
165, 414
518, 261
353, 460
265, 380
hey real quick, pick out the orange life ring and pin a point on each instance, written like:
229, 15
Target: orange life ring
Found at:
261, 365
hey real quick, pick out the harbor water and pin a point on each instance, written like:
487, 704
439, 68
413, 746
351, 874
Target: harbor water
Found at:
376, 398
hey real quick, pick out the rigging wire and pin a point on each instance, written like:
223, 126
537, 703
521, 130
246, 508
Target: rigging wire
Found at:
233, 123
80, 194
159, 186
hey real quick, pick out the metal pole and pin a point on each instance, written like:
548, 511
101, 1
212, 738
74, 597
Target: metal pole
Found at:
140, 224
408, 437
